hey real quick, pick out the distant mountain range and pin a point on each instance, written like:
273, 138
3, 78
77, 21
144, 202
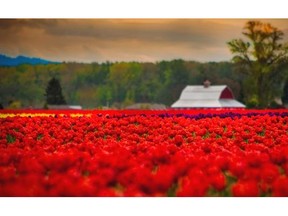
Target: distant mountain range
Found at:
14, 61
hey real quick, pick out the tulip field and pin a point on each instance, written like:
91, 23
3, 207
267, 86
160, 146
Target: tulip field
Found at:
190, 153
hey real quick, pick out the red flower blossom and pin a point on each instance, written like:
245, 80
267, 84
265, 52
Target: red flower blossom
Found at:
155, 153
178, 140
7, 174
218, 181
192, 188
245, 189
269, 173
193, 185
280, 187
237, 167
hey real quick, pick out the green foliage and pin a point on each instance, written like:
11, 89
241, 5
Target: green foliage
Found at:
14, 104
112, 85
263, 59
252, 102
285, 93
10, 138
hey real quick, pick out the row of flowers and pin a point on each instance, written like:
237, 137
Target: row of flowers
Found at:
218, 153
90, 113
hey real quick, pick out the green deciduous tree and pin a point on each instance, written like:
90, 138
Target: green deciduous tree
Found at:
263, 59
54, 93
123, 78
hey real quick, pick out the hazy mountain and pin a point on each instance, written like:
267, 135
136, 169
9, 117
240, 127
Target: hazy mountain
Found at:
14, 61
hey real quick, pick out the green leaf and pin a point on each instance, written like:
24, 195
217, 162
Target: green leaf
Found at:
10, 138
172, 190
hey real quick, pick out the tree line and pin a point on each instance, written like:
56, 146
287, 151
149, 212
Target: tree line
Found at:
119, 84
116, 85
257, 75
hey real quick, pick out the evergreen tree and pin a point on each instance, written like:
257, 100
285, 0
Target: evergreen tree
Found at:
54, 93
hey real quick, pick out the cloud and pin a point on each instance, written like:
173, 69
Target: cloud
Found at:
121, 39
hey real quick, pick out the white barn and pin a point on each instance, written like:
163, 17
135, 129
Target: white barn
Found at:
207, 96
65, 107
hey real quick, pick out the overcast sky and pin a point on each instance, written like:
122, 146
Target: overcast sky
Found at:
98, 40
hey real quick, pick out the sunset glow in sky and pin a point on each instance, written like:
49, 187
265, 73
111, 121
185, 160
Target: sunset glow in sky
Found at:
145, 40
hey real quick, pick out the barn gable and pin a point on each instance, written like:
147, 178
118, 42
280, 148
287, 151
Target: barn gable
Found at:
203, 96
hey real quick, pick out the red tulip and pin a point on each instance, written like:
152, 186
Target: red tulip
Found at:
245, 189
280, 187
